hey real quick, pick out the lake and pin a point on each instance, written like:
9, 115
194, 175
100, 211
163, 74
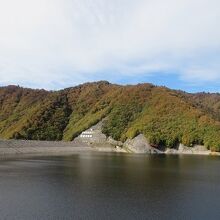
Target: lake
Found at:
110, 186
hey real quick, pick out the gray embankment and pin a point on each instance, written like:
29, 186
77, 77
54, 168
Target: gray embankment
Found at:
26, 147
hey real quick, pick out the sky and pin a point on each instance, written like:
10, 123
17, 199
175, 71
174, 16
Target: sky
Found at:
54, 44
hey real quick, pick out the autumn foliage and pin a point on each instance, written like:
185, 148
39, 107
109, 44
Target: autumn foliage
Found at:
166, 117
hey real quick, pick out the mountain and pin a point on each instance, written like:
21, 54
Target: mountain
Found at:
166, 117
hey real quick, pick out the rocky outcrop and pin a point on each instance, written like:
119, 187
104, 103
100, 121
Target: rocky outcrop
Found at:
140, 145
113, 142
182, 149
98, 140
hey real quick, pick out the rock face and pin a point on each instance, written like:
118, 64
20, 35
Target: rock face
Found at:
94, 137
115, 143
140, 145
182, 149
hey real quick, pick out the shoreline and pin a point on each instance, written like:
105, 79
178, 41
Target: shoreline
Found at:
12, 148
18, 148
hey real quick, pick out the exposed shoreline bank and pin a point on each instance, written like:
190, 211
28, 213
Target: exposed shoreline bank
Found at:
40, 148
14, 148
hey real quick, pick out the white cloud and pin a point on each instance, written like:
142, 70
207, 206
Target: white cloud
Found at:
202, 75
53, 43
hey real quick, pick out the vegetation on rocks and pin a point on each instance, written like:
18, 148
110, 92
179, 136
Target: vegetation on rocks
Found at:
166, 117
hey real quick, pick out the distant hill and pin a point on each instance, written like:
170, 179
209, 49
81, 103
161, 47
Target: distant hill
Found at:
166, 117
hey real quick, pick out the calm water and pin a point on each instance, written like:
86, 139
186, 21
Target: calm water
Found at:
110, 186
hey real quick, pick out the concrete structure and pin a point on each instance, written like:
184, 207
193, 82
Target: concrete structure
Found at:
93, 135
87, 134
41, 148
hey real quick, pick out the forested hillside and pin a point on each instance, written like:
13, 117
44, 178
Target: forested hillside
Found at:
166, 117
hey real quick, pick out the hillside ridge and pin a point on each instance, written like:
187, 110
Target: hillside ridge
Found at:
164, 116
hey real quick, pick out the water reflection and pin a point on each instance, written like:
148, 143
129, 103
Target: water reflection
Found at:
110, 186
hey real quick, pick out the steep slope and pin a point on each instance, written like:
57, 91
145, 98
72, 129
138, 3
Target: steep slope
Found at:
17, 107
209, 102
50, 118
88, 106
166, 117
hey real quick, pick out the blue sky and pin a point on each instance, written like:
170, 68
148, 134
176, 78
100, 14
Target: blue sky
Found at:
54, 44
